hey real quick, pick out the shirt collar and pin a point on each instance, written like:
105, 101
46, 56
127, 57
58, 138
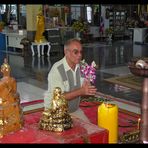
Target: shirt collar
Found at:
66, 66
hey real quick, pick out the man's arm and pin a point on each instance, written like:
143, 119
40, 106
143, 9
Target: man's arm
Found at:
54, 80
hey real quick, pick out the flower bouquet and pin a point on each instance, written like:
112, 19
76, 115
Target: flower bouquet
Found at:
88, 71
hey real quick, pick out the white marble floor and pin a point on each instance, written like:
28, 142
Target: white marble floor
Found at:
29, 92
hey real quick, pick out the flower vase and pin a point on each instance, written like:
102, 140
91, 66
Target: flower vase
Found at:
78, 35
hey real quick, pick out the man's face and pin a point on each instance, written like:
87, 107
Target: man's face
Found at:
74, 53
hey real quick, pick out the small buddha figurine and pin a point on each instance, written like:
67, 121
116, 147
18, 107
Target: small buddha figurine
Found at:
57, 117
40, 27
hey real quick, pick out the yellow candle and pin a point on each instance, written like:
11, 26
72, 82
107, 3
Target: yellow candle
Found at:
108, 118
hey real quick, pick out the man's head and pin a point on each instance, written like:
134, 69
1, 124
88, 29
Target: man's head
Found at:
73, 51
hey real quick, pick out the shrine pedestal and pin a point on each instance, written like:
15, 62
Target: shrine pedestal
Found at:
81, 132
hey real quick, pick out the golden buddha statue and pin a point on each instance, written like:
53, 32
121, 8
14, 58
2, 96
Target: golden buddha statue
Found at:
57, 117
40, 27
10, 109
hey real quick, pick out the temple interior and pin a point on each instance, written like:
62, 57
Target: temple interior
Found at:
126, 24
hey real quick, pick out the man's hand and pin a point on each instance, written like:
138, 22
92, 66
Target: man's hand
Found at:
88, 89
85, 90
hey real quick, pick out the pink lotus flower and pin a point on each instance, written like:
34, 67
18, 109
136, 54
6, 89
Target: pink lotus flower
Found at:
88, 71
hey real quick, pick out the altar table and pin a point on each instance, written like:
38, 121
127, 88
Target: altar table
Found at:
40, 46
81, 132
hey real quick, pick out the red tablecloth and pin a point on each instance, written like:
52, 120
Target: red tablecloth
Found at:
82, 132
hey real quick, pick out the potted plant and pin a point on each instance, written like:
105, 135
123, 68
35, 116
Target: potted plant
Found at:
78, 27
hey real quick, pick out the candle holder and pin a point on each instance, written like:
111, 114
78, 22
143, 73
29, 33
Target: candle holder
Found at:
142, 72
131, 137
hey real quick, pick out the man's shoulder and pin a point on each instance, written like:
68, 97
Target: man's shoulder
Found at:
58, 63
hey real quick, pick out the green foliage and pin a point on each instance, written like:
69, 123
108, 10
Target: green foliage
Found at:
79, 26
95, 99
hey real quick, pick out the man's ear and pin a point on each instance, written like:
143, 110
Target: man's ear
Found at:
65, 50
